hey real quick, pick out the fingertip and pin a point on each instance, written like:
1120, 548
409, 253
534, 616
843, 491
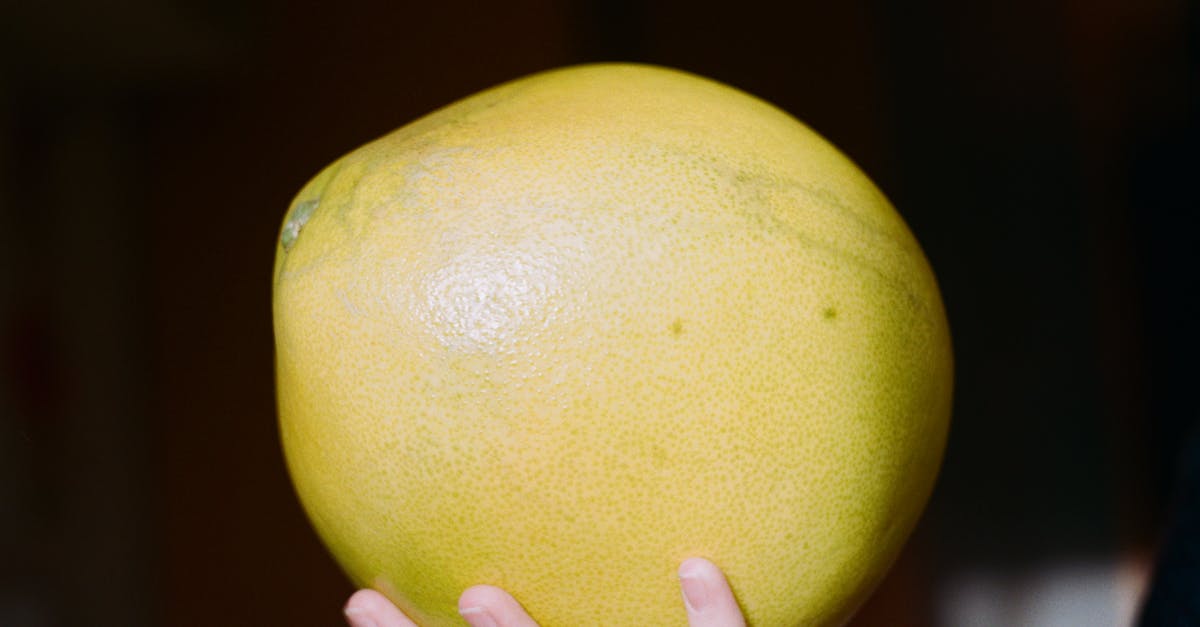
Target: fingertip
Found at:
696, 577
368, 608
489, 606
482, 596
707, 596
362, 599
699, 567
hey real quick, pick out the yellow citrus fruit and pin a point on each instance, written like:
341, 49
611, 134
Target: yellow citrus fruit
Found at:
565, 333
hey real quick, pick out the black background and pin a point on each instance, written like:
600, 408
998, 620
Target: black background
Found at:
1044, 153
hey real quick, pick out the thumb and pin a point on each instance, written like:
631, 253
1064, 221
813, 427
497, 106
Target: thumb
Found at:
707, 596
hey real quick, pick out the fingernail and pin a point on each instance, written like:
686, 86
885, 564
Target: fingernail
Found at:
477, 616
358, 617
695, 593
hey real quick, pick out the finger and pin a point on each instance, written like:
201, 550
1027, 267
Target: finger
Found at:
707, 596
489, 606
368, 608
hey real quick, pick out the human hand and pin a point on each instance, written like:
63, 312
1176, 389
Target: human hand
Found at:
706, 596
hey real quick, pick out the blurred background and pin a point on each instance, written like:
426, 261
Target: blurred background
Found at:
1044, 153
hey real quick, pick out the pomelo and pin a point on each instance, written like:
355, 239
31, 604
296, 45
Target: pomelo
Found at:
565, 333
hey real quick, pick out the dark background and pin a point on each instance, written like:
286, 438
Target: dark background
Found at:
1044, 153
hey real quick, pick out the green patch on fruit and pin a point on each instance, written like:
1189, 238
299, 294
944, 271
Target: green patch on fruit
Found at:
296, 221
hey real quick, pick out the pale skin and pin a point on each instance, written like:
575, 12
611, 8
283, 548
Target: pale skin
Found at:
706, 597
